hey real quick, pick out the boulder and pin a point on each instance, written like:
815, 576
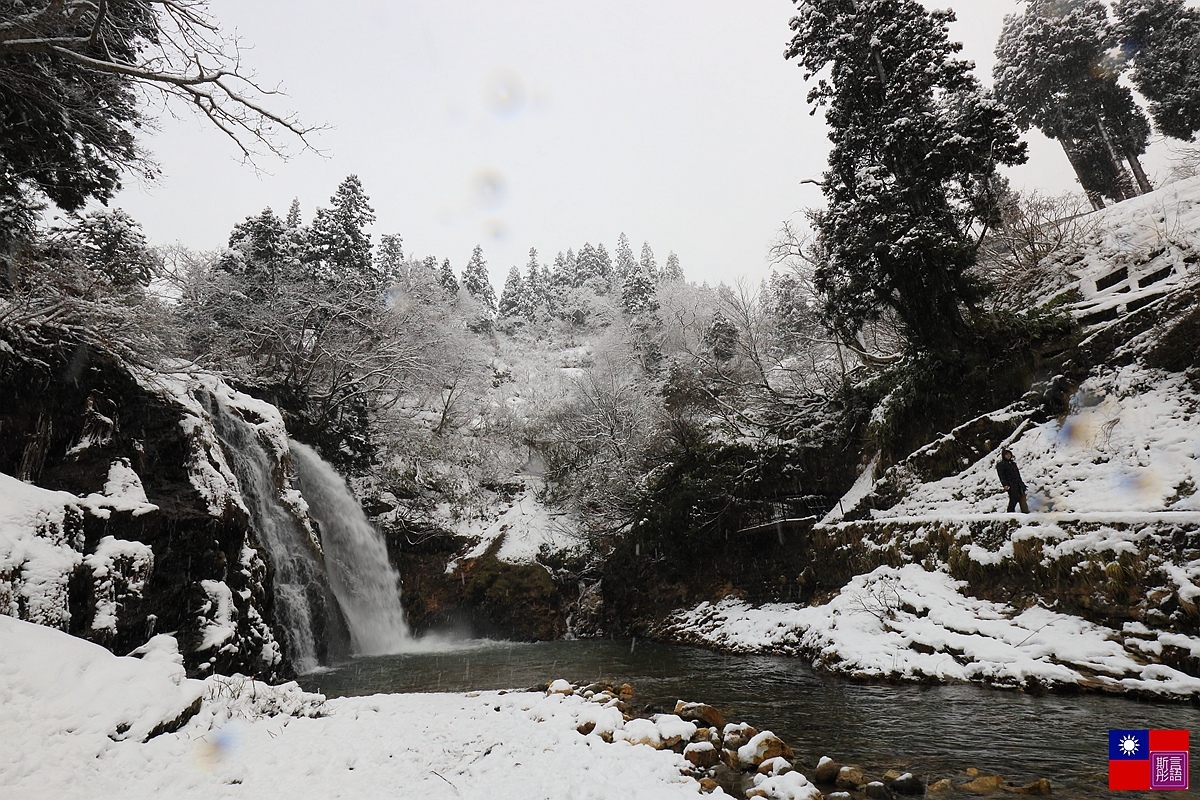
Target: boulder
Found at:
674, 730
827, 770
560, 686
905, 784
850, 778
875, 790
702, 754
943, 786
738, 734
699, 712
643, 731
775, 766
763, 747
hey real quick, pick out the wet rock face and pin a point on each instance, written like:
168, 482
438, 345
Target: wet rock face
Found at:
69, 416
481, 596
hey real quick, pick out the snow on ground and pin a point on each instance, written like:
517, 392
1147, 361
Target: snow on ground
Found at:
526, 528
915, 624
1130, 443
75, 719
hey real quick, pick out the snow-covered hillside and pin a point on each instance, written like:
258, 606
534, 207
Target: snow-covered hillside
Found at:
1099, 585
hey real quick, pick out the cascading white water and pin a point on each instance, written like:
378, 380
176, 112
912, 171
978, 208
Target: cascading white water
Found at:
304, 605
356, 560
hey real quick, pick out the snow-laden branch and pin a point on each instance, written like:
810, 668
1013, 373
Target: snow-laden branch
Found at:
168, 46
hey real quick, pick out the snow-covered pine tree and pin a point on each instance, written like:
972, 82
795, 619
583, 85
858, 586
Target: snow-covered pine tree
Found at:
1054, 71
261, 254
296, 232
671, 271
912, 170
561, 275
447, 280
475, 280
586, 266
647, 262
513, 297
111, 245
339, 246
389, 258
293, 219
537, 288
637, 293
624, 264
1162, 40
721, 338
603, 269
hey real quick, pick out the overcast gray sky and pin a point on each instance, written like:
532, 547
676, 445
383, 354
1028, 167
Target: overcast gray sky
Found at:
534, 123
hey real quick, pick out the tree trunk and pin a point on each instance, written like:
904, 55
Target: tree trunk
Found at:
1139, 173
1093, 196
1124, 182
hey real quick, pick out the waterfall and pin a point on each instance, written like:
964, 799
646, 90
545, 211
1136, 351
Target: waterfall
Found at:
356, 559
306, 612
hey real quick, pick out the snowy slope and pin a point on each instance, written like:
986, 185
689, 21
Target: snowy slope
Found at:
1130, 443
1114, 490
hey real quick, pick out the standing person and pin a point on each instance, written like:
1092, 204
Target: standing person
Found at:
1010, 477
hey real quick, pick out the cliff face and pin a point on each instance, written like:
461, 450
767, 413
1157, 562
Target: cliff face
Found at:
120, 517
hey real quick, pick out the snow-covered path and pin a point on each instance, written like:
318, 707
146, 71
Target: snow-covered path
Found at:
73, 717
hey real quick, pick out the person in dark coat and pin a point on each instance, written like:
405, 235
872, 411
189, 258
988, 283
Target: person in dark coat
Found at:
1010, 477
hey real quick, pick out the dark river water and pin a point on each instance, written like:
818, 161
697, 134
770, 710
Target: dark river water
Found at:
933, 731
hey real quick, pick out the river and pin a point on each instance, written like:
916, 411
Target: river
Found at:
933, 731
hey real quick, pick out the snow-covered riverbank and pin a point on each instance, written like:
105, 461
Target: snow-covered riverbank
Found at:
913, 624
78, 722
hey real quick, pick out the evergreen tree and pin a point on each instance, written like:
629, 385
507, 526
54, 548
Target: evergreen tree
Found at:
603, 268
1162, 40
294, 220
428, 268
111, 245
389, 258
447, 280
261, 254
721, 338
537, 288
587, 268
1053, 70
637, 293
671, 272
513, 297
624, 263
647, 262
338, 243
915, 144
561, 275
475, 280
296, 233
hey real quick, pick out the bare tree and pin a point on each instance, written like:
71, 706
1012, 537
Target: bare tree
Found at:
1033, 227
75, 75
